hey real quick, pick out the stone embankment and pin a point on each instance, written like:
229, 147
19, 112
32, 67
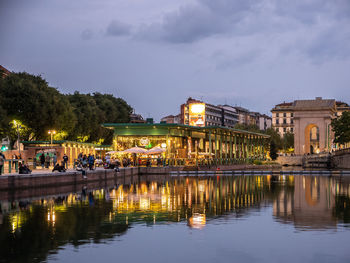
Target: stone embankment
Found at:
337, 160
25, 181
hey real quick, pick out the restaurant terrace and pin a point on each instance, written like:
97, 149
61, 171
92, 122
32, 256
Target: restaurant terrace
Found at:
183, 143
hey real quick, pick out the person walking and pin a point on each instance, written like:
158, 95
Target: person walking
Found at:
65, 161
54, 159
42, 160
2, 161
91, 161
47, 160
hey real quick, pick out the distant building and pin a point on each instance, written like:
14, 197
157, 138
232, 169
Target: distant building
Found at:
136, 118
198, 113
283, 115
171, 119
4, 72
283, 118
310, 121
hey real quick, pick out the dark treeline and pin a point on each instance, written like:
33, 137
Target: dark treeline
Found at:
37, 108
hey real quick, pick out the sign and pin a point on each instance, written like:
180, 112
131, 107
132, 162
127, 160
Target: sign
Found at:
197, 114
144, 141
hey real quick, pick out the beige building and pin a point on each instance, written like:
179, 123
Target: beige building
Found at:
310, 121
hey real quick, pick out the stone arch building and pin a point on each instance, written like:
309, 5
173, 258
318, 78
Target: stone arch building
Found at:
310, 121
312, 125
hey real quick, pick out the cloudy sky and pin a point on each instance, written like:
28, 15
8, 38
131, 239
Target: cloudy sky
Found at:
156, 53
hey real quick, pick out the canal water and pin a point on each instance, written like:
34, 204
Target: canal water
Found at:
184, 219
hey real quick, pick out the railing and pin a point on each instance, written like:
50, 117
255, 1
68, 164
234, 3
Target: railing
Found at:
11, 165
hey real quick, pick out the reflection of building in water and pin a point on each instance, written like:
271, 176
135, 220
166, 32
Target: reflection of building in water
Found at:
311, 205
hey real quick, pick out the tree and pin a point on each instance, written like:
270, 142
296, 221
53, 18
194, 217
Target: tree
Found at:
341, 128
37, 106
273, 150
288, 141
250, 127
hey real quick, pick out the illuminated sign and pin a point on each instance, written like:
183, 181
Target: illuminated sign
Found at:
144, 141
197, 114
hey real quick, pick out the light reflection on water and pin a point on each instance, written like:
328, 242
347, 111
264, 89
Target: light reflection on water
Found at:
31, 229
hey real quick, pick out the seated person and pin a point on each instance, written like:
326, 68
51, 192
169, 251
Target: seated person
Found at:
23, 169
59, 168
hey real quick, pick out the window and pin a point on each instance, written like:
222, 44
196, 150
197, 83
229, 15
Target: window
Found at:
277, 121
291, 121
284, 114
291, 114
284, 129
277, 114
291, 130
284, 121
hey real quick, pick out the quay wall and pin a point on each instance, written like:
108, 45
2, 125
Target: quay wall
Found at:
341, 161
29, 181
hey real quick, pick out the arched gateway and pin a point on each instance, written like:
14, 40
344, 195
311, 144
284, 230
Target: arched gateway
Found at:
312, 130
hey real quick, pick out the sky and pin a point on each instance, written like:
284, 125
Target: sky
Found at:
157, 53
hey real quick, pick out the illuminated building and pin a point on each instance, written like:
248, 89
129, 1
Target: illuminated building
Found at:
184, 141
310, 121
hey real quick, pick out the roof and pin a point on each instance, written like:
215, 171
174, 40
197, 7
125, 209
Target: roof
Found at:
176, 126
318, 103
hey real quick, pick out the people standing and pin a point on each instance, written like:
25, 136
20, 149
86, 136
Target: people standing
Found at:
42, 160
91, 161
2, 161
47, 160
65, 161
54, 159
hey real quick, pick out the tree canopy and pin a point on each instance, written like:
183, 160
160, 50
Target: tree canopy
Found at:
36, 107
341, 128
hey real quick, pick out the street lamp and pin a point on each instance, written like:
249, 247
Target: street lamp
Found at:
52, 132
19, 145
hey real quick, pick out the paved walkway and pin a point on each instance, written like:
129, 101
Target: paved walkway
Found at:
47, 171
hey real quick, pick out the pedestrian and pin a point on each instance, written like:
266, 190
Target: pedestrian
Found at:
54, 159
42, 160
65, 161
2, 161
47, 160
91, 161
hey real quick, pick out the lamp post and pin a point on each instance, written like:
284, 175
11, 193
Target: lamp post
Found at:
52, 132
19, 145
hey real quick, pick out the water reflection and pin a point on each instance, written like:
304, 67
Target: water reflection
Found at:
31, 229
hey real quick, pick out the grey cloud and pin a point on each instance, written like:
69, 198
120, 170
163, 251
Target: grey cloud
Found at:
86, 34
118, 28
329, 44
224, 61
194, 22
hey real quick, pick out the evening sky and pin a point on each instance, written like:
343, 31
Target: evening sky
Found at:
157, 53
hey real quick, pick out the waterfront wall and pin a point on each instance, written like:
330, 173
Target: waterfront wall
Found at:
296, 160
341, 161
25, 181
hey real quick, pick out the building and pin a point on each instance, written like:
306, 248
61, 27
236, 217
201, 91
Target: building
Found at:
243, 115
171, 119
310, 121
4, 72
136, 118
198, 113
283, 118
184, 142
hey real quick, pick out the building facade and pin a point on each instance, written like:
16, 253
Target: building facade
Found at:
198, 113
310, 121
190, 142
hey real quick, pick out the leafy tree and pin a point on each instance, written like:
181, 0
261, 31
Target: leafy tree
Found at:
39, 107
341, 128
288, 141
273, 150
34, 105
250, 127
